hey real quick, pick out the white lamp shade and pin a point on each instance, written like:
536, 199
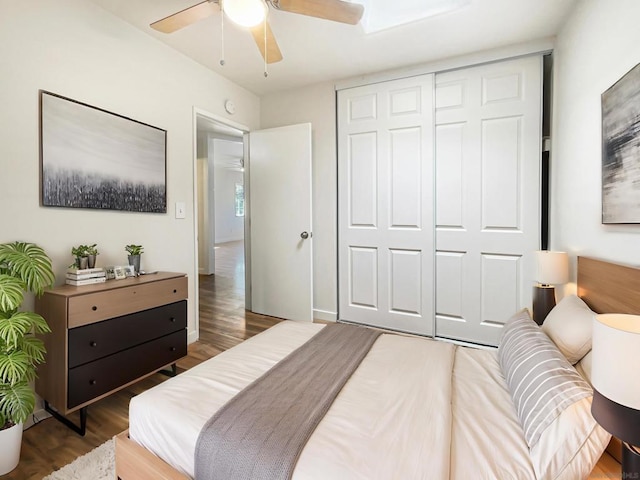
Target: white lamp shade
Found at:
552, 267
246, 13
616, 358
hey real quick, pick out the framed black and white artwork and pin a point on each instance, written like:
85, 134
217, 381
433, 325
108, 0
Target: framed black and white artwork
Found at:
621, 150
92, 158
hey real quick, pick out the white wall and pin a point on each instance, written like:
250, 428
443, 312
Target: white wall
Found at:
75, 49
228, 226
598, 45
315, 104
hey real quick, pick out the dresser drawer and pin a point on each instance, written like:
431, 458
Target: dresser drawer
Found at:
94, 307
100, 339
91, 380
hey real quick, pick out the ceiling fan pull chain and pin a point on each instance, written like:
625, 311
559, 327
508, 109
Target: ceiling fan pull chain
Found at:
266, 52
222, 30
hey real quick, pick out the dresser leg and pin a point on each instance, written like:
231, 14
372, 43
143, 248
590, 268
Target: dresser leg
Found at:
170, 373
80, 430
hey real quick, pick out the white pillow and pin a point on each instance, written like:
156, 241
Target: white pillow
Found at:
569, 325
541, 381
584, 366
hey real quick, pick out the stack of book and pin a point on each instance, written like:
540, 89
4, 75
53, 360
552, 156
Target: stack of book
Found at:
85, 276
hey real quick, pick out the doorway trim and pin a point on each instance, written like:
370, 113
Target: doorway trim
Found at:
196, 268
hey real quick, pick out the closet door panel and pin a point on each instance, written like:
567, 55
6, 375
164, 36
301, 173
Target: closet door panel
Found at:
363, 180
386, 205
488, 130
450, 193
405, 182
502, 166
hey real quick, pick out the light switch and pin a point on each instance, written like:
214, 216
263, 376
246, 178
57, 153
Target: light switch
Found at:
181, 210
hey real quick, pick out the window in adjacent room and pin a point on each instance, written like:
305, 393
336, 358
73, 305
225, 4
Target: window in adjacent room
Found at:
239, 200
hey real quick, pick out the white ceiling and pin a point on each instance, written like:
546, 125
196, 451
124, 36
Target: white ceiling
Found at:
318, 50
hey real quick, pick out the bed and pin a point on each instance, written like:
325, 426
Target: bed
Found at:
414, 407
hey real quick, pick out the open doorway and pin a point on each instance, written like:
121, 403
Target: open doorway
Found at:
276, 259
220, 225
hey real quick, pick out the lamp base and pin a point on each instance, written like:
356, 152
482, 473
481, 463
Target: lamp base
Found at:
630, 461
544, 299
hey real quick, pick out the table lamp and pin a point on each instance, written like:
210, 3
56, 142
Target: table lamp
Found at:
552, 268
616, 385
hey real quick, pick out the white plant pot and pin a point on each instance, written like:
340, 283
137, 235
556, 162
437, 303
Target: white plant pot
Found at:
11, 441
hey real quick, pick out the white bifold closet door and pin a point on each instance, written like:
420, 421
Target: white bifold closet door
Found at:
385, 213
488, 152
438, 204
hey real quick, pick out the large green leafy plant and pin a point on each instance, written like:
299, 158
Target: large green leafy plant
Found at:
24, 267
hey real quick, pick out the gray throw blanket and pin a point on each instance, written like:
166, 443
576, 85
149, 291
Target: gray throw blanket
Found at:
260, 433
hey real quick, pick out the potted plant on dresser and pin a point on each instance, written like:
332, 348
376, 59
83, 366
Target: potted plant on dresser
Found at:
24, 267
81, 256
134, 252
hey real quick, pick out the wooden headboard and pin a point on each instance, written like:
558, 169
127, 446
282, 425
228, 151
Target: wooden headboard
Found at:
609, 287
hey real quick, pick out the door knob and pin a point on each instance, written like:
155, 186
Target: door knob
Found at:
304, 235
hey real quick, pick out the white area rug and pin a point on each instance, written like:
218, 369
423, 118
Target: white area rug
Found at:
98, 464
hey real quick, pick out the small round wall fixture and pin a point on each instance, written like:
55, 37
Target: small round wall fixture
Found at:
230, 107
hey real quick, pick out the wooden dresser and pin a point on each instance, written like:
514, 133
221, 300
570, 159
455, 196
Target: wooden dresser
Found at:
107, 336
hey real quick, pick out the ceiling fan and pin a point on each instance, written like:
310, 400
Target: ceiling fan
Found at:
253, 14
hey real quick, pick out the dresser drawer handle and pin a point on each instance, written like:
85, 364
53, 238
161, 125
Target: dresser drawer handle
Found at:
93, 344
173, 319
175, 291
92, 382
94, 308
173, 349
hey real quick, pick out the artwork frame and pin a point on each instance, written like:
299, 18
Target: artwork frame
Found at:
96, 159
621, 150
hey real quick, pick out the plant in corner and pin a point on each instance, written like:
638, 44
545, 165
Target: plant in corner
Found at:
24, 267
134, 252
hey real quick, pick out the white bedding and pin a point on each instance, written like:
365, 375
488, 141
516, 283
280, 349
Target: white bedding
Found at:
402, 414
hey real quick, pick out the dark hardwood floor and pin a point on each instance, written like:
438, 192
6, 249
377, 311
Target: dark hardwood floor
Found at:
224, 323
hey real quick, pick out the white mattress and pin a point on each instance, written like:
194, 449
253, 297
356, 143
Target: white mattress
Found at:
392, 420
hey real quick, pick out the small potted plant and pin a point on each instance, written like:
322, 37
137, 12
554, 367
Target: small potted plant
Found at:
92, 253
81, 255
134, 252
24, 267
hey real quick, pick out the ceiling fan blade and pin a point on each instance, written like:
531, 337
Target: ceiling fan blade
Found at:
335, 10
273, 51
186, 17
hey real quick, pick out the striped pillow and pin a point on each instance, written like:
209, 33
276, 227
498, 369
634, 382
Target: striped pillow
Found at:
541, 380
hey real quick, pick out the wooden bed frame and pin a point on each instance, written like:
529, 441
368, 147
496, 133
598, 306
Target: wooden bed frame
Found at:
606, 287
609, 287
134, 462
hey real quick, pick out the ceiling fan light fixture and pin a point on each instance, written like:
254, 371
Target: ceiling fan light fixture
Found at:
246, 13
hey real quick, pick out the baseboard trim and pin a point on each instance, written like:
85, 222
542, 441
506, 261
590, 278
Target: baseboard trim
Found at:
325, 315
36, 417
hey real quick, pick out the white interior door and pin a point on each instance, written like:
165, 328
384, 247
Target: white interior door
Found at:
280, 215
385, 204
488, 153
